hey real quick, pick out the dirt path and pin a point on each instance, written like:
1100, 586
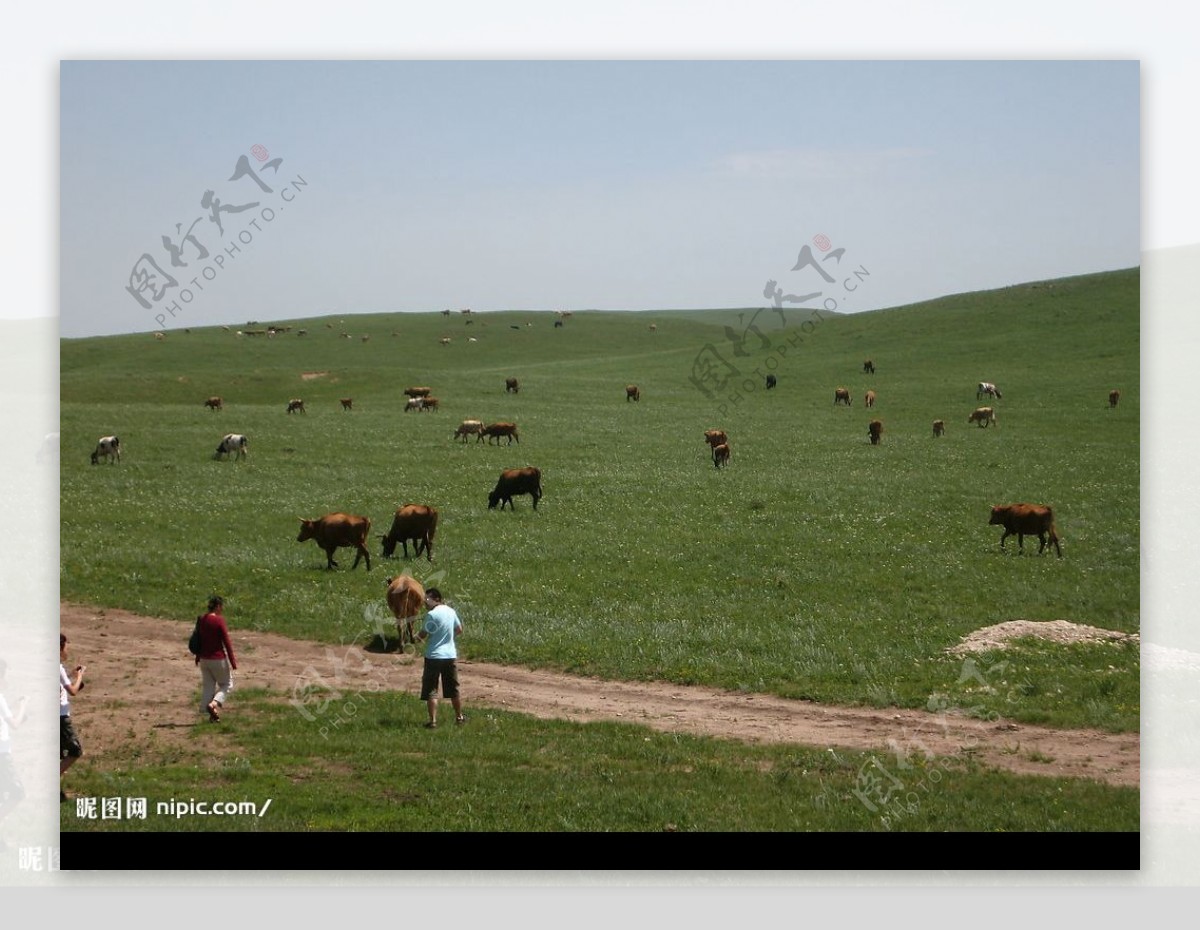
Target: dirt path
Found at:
132, 699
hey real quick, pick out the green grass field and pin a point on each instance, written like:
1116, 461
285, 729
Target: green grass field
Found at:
814, 566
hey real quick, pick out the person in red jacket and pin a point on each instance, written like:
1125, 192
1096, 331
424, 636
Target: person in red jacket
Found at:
215, 659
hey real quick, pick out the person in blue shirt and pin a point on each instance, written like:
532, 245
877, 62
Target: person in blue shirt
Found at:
439, 632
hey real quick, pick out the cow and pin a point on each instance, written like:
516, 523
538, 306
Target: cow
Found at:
511, 385
515, 481
841, 396
234, 444
982, 415
414, 403
335, 530
159, 337
108, 447
653, 328
497, 430
869, 399
1113, 397
987, 389
1024, 520
347, 403
468, 428
445, 340
632, 393
714, 437
417, 391
720, 454
558, 324
939, 428
412, 521
875, 431
429, 403
406, 600
214, 403
296, 405
868, 367
771, 381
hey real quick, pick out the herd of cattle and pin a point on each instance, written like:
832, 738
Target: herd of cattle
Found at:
417, 523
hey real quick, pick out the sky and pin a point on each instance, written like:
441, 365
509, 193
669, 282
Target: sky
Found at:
372, 186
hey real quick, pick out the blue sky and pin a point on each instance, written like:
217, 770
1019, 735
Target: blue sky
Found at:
605, 184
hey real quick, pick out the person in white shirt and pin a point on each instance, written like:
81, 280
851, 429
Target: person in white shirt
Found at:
70, 749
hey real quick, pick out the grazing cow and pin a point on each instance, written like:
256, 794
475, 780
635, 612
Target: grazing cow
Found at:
939, 427
841, 396
108, 447
417, 391
468, 428
406, 600
632, 393
714, 437
875, 431
296, 405
653, 328
771, 382
414, 403
445, 340
720, 454
511, 385
497, 430
159, 337
868, 367
347, 403
987, 389
335, 530
412, 521
214, 403
514, 481
558, 324
982, 415
1113, 397
869, 400
1024, 520
429, 403
234, 444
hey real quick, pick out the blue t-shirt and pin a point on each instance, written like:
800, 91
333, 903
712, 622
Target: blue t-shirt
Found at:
440, 626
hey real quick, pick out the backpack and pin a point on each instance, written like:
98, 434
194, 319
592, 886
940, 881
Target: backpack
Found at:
194, 639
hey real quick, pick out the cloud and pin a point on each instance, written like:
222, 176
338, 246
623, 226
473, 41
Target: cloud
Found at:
819, 164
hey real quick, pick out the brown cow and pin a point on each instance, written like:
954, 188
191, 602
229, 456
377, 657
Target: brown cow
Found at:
841, 396
869, 400
406, 600
296, 405
347, 403
875, 430
714, 437
982, 415
467, 428
496, 430
417, 391
214, 403
511, 385
1113, 397
335, 530
720, 454
412, 521
868, 367
514, 481
429, 403
939, 427
1024, 520
632, 393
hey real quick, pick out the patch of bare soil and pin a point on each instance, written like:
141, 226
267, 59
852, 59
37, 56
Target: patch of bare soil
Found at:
1056, 631
142, 686
307, 376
